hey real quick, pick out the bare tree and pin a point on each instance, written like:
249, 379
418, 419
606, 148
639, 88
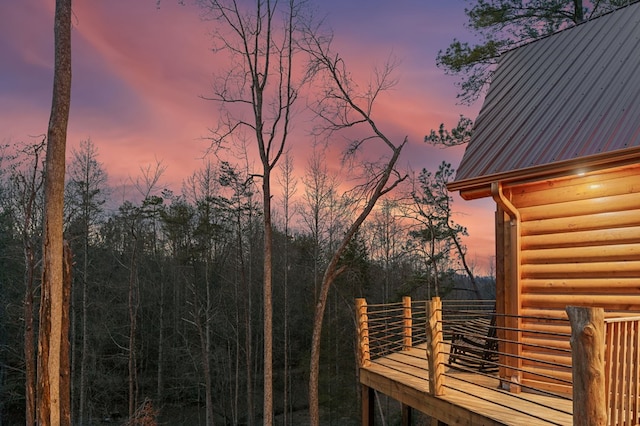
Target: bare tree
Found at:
431, 210
316, 207
387, 233
289, 186
204, 188
146, 185
53, 374
342, 106
86, 194
257, 95
241, 207
25, 205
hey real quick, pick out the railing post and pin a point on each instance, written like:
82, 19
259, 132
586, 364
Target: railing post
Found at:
587, 356
435, 347
408, 323
362, 320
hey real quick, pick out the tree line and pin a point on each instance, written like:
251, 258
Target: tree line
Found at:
203, 269
167, 286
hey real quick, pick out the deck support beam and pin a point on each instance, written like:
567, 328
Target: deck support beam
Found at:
406, 415
368, 403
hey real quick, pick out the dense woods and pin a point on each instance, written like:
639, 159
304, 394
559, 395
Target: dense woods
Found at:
167, 285
191, 305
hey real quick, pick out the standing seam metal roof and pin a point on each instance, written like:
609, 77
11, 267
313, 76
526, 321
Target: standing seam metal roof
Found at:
571, 95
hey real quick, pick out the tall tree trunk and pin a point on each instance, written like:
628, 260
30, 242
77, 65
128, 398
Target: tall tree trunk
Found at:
53, 399
268, 302
436, 270
287, 378
578, 11
288, 189
236, 389
29, 336
133, 316
85, 312
205, 349
205, 344
29, 196
160, 374
467, 269
248, 336
65, 355
334, 270
248, 355
74, 357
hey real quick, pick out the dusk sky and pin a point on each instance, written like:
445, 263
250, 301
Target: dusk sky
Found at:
140, 74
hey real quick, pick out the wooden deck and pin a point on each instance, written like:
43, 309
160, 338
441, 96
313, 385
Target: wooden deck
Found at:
469, 399
403, 352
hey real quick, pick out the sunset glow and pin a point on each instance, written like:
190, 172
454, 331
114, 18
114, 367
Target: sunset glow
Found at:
140, 73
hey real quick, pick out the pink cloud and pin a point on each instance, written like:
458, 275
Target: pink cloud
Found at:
139, 73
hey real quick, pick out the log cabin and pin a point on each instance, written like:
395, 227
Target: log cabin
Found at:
556, 145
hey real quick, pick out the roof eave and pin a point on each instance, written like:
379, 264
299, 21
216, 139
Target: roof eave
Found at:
480, 187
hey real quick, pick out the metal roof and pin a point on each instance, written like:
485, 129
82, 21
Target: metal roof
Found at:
573, 95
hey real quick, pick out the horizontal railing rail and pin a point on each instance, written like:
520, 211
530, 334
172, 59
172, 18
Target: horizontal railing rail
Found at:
540, 362
393, 327
481, 342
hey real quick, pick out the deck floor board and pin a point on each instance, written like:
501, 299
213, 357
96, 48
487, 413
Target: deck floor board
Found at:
469, 399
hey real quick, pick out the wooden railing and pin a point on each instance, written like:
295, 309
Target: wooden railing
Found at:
606, 368
387, 328
622, 376
611, 375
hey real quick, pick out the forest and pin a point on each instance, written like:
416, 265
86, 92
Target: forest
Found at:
167, 286
228, 300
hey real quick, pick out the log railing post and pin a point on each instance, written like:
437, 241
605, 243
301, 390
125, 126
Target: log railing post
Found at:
587, 356
435, 356
362, 319
622, 364
407, 322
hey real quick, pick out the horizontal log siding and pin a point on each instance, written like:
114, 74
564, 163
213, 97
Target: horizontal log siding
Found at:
580, 245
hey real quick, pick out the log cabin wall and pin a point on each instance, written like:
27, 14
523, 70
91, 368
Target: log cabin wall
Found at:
579, 245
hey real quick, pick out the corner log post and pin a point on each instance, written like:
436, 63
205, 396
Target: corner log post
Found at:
407, 323
364, 360
587, 355
362, 319
407, 343
435, 347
